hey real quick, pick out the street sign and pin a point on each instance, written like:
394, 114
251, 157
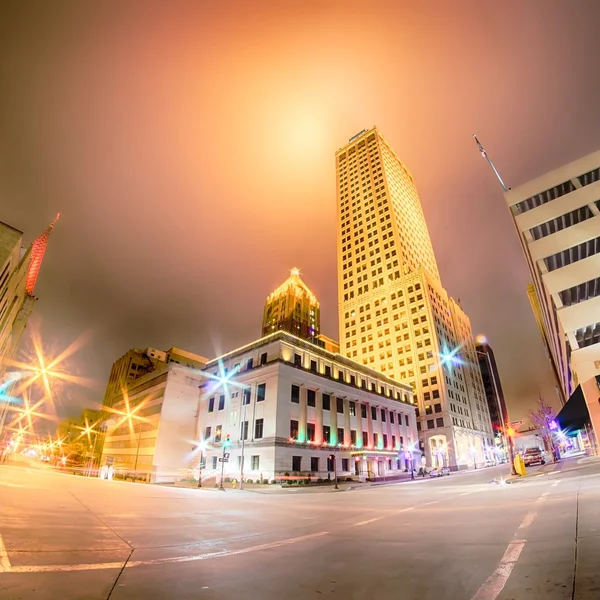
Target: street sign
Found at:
517, 423
226, 455
223, 460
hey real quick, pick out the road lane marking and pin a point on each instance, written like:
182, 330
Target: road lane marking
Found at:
497, 580
374, 519
528, 520
367, 522
161, 561
430, 503
5, 565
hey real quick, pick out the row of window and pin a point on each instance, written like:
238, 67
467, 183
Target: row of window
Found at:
258, 431
261, 391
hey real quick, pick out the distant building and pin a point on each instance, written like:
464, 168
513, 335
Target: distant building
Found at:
298, 405
154, 443
328, 343
292, 307
493, 388
557, 216
395, 315
135, 363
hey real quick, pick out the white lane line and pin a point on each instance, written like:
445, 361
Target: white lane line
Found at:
430, 503
555, 483
497, 580
162, 561
5, 565
528, 520
367, 522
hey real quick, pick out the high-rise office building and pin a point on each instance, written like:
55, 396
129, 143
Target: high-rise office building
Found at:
557, 216
493, 388
292, 307
395, 316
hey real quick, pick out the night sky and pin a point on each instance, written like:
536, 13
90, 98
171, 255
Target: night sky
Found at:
190, 148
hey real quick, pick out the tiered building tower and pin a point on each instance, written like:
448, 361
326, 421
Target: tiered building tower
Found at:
395, 316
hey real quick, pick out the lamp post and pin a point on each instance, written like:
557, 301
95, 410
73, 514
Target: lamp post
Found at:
137, 452
202, 447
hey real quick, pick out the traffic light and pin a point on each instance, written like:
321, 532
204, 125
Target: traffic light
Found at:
511, 432
227, 440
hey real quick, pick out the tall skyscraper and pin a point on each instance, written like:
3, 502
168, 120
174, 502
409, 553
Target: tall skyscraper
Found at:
557, 216
395, 316
493, 388
292, 307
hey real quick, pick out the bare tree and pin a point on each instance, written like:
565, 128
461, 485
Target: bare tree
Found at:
541, 418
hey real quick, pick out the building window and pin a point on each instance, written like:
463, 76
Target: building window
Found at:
246, 397
211, 405
373, 413
406, 420
353, 437
311, 398
365, 438
314, 464
375, 439
263, 358
296, 463
352, 380
352, 408
207, 432
385, 438
221, 402
258, 428
340, 435
326, 433
261, 391
437, 408
392, 419
383, 415
295, 394
313, 366
293, 429
363, 411
327, 371
330, 460
430, 424
298, 360
244, 430
326, 402
394, 441
255, 462
250, 363
340, 405
436, 394
310, 432
218, 433
439, 422
214, 462
345, 464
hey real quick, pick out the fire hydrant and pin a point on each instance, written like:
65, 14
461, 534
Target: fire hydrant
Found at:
234, 484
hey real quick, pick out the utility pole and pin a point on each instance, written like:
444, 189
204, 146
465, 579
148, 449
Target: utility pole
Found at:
224, 459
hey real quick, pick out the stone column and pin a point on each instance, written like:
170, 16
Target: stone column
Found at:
333, 419
359, 426
369, 424
319, 414
347, 440
302, 422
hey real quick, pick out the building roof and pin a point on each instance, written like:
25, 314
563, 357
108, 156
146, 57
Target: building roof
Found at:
284, 336
293, 281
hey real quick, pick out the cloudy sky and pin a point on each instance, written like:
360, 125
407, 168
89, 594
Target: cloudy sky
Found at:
190, 148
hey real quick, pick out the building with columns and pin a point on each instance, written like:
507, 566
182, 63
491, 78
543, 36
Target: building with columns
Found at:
296, 406
557, 216
395, 315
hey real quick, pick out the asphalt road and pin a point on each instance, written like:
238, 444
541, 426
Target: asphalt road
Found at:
460, 537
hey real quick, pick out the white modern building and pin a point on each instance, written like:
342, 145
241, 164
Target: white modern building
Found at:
558, 219
303, 411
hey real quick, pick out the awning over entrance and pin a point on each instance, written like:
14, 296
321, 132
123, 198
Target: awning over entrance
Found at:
574, 414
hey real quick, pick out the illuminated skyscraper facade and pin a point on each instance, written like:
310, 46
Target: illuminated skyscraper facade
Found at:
292, 307
395, 316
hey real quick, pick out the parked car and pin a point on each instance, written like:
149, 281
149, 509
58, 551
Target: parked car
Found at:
439, 472
533, 456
